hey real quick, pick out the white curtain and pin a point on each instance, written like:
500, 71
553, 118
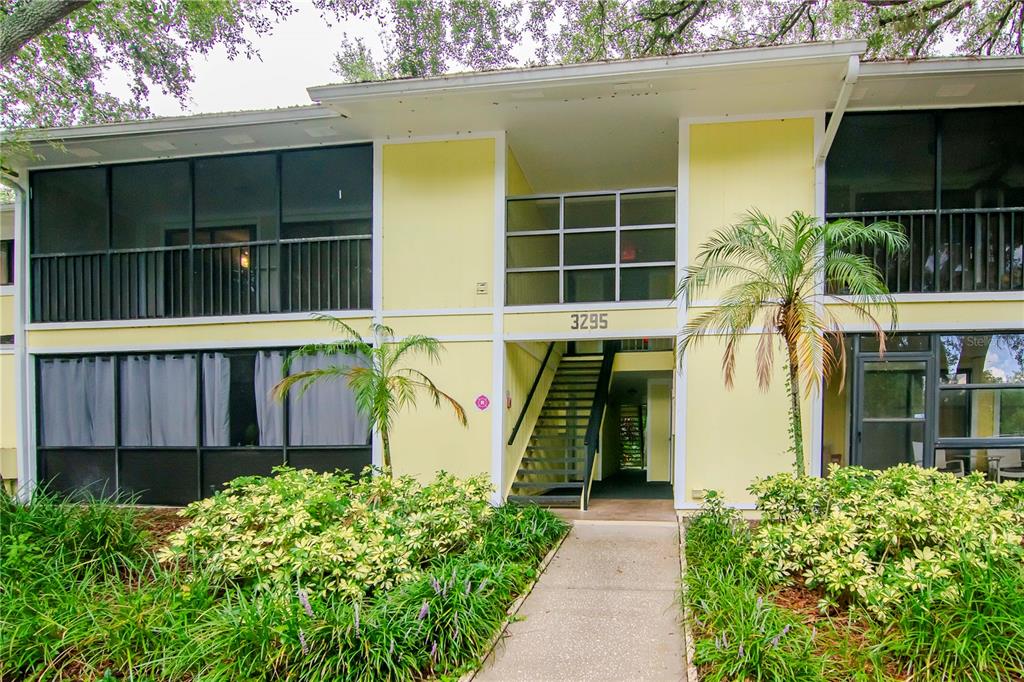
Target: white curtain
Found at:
216, 399
326, 414
76, 399
269, 411
158, 401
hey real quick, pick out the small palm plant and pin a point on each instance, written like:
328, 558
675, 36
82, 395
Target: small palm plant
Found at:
773, 273
383, 386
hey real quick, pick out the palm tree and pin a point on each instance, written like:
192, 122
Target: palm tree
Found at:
382, 387
774, 273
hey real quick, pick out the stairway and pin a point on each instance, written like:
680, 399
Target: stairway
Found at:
631, 437
552, 470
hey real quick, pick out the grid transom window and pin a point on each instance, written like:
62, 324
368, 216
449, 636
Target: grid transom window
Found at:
601, 246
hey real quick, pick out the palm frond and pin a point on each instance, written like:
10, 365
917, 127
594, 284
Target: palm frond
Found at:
436, 394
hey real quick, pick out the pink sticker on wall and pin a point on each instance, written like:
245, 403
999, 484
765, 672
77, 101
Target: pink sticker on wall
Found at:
482, 402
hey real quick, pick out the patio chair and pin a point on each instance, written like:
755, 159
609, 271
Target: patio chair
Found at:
953, 465
1008, 467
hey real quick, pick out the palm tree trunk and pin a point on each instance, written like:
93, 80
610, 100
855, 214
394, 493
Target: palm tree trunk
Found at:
386, 442
796, 430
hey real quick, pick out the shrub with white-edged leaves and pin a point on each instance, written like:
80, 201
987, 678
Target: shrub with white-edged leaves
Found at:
874, 539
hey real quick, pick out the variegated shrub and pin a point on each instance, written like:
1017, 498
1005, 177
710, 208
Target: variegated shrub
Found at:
871, 539
329, 532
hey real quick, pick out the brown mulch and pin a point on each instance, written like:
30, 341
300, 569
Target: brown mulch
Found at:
160, 521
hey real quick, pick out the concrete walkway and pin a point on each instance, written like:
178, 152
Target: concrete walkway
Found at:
606, 609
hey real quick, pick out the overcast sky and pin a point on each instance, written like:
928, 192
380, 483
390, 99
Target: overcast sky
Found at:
297, 54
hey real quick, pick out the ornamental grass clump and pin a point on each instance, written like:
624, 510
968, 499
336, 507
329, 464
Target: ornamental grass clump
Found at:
878, 540
329, 532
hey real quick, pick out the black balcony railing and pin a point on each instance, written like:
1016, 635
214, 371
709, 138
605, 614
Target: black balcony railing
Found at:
241, 278
955, 250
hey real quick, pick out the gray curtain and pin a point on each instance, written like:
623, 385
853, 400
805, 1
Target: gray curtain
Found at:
269, 412
158, 400
76, 400
326, 414
216, 399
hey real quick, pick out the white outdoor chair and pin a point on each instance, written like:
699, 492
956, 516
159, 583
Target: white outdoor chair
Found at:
954, 465
1008, 467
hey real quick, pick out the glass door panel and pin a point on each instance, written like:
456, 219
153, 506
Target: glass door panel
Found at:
893, 409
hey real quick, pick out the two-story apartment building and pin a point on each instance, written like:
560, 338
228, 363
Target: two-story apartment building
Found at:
536, 222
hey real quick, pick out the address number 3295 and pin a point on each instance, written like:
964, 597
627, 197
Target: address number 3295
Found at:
588, 321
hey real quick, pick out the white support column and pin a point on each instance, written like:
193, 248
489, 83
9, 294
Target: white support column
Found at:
498, 330
24, 384
818, 400
377, 260
682, 257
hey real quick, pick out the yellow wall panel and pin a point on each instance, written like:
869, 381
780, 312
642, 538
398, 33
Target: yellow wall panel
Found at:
647, 361
734, 436
438, 223
6, 315
931, 315
8, 419
559, 325
428, 439
659, 429
441, 325
295, 332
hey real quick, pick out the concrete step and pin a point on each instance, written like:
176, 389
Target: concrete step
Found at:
546, 500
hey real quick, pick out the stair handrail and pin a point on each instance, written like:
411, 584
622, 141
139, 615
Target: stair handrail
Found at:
593, 438
529, 396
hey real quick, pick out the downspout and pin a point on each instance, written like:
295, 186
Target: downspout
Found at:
26, 462
849, 80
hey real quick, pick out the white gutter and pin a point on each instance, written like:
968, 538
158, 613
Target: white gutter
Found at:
849, 80
594, 71
24, 458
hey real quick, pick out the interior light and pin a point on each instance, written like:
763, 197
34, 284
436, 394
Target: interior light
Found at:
243, 260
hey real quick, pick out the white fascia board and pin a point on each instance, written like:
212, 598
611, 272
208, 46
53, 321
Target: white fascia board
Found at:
176, 124
951, 66
594, 71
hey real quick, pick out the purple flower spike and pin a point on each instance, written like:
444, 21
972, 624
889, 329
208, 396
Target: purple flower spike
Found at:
775, 641
433, 650
357, 619
741, 651
436, 585
785, 630
304, 599
468, 586
760, 601
302, 641
424, 610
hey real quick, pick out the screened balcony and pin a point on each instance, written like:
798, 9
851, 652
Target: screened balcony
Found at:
237, 235
954, 180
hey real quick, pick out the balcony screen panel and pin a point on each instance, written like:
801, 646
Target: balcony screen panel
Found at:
983, 158
238, 408
326, 460
81, 474
647, 284
589, 285
326, 414
532, 251
158, 400
647, 246
236, 196
76, 402
590, 211
151, 204
981, 413
882, 162
524, 215
69, 209
531, 288
648, 208
590, 248
160, 476
982, 359
327, 192
221, 466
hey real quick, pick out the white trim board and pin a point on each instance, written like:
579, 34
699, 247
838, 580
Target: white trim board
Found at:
595, 335
682, 260
588, 307
196, 321
497, 397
